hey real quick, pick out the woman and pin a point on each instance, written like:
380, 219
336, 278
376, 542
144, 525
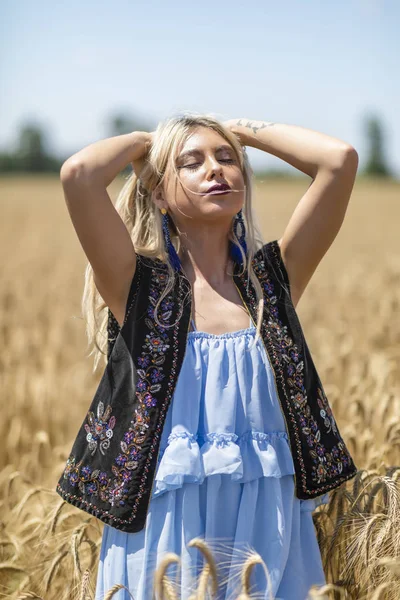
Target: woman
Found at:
225, 469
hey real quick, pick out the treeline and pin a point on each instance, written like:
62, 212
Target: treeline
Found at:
32, 154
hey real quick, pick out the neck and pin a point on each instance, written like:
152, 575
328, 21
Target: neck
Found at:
205, 256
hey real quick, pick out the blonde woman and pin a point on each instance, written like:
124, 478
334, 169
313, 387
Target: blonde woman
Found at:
210, 420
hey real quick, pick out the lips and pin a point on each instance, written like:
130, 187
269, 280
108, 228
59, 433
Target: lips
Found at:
219, 187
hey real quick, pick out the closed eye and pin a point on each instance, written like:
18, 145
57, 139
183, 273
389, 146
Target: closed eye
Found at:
195, 165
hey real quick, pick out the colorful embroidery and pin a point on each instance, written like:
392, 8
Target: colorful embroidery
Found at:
115, 490
326, 412
88, 481
100, 429
287, 355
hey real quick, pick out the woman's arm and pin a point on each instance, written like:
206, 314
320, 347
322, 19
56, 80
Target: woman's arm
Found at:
104, 160
319, 215
304, 149
100, 229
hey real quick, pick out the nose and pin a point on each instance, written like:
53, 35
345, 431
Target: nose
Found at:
213, 167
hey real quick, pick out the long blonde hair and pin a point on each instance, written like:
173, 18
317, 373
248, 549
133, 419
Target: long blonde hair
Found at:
143, 220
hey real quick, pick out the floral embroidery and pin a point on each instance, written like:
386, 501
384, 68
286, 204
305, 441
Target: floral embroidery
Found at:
326, 412
88, 481
115, 490
287, 355
100, 428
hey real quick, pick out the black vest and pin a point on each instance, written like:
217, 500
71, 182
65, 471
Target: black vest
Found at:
110, 471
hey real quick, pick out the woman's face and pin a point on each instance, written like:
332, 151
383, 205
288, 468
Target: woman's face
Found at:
204, 160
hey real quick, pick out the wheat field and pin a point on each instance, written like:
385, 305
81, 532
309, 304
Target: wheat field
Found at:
350, 313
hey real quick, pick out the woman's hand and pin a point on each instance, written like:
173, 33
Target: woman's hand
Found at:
140, 162
232, 125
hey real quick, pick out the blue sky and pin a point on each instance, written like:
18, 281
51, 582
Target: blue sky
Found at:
317, 64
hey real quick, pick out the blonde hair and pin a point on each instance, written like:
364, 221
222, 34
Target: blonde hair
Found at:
143, 220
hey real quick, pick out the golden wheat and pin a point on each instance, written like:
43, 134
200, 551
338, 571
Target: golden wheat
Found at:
350, 316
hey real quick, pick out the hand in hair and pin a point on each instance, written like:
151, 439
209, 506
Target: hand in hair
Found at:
140, 162
232, 125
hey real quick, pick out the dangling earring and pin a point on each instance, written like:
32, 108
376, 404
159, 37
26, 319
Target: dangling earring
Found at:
235, 252
169, 247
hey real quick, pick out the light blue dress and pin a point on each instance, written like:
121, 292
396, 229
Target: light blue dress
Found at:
224, 474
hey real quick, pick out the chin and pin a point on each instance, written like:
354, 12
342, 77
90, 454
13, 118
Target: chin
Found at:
220, 210
226, 202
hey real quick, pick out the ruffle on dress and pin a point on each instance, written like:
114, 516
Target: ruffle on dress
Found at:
190, 458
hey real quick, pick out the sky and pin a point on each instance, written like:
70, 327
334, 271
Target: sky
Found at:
321, 65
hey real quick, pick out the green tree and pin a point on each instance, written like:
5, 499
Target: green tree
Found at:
376, 162
31, 155
120, 123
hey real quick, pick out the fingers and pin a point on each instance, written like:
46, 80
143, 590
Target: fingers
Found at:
138, 165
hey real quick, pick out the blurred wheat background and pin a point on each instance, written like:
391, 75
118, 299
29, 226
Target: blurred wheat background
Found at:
350, 315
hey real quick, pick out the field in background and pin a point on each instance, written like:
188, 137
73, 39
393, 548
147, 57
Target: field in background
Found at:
350, 313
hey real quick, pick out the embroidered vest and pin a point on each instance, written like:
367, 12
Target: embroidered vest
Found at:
111, 467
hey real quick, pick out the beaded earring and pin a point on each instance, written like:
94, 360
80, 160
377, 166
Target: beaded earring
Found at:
169, 247
235, 252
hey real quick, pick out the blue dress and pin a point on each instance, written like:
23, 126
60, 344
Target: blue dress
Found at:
224, 474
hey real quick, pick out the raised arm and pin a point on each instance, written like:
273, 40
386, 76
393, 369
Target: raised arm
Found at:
316, 220
101, 231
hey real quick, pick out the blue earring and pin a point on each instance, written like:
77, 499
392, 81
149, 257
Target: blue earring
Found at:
235, 252
170, 248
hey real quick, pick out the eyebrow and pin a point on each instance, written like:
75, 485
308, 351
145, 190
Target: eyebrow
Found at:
195, 151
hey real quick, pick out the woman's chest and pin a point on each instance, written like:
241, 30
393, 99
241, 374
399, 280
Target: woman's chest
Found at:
218, 311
